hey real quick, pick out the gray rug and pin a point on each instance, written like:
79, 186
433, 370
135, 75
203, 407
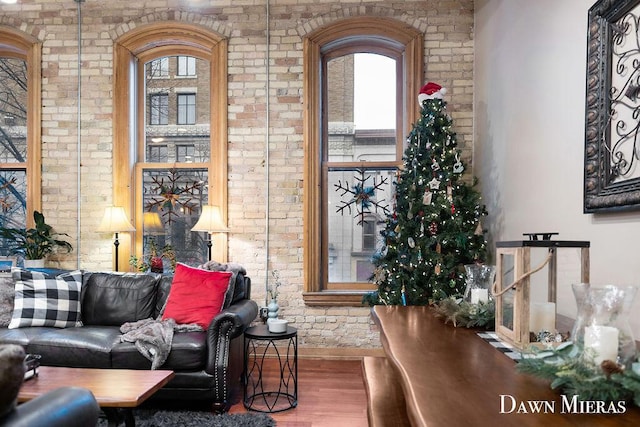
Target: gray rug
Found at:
151, 418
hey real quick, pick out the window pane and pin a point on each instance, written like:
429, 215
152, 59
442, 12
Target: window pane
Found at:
157, 153
159, 109
177, 195
361, 106
13, 204
186, 66
158, 68
13, 110
358, 202
187, 118
187, 109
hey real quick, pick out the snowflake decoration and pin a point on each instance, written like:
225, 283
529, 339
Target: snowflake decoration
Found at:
362, 197
173, 196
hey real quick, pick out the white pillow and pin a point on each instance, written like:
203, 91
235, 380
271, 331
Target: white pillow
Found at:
44, 300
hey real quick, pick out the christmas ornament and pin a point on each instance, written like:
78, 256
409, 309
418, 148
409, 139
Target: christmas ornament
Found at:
457, 166
431, 91
426, 198
433, 228
434, 184
411, 242
478, 231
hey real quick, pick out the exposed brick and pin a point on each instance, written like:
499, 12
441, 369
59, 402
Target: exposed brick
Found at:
447, 25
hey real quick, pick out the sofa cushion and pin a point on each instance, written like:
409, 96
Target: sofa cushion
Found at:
112, 299
196, 295
85, 347
43, 300
188, 352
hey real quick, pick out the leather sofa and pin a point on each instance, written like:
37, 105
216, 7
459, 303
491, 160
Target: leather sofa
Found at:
62, 407
207, 364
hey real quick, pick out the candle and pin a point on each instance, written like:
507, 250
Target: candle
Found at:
601, 342
479, 295
542, 317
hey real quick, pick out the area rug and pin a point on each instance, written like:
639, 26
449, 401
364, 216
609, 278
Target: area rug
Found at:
151, 418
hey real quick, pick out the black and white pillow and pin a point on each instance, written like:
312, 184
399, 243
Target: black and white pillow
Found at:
44, 300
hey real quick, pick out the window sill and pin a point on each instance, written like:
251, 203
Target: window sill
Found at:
334, 298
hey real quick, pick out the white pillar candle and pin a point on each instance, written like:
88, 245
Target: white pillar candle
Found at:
542, 317
601, 342
479, 295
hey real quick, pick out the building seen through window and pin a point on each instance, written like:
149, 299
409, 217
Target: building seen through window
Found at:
13, 146
174, 171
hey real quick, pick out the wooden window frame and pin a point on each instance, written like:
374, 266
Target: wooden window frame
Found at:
16, 44
371, 35
138, 46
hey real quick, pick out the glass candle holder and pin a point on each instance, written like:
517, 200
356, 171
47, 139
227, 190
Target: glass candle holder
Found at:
479, 280
602, 328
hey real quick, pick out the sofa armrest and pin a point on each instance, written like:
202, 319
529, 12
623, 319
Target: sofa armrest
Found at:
224, 349
65, 407
229, 324
238, 316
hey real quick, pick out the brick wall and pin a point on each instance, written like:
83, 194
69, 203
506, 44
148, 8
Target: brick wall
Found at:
448, 29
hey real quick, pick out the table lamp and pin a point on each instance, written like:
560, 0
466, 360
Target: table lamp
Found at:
210, 221
115, 221
152, 223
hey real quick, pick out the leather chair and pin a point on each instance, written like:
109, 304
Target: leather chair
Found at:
64, 407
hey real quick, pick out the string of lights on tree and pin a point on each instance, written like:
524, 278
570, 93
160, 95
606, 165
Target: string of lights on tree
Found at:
435, 227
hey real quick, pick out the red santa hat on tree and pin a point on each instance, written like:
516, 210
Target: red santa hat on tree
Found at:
431, 91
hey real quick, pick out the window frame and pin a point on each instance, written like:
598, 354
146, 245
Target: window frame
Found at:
186, 64
186, 107
16, 44
131, 51
162, 109
367, 35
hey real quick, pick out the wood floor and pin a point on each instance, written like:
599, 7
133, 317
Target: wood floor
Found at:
330, 394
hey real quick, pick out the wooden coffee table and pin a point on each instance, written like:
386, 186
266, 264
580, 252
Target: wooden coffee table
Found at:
116, 390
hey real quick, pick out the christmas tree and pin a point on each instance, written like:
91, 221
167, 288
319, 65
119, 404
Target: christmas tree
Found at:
435, 226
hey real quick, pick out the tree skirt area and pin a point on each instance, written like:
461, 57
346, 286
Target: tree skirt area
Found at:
162, 418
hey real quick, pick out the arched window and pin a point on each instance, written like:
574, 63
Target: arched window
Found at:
170, 135
362, 78
20, 135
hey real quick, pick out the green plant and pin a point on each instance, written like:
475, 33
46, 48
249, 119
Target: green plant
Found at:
35, 243
154, 259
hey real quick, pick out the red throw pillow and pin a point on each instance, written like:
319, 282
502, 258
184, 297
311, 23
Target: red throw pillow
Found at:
196, 295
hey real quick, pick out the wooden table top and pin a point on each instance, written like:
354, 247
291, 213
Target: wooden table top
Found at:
119, 388
451, 377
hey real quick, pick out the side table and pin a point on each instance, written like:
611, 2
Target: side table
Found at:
266, 390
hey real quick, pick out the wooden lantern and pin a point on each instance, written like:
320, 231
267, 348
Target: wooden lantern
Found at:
512, 288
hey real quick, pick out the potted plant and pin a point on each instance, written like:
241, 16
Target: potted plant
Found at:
155, 262
35, 243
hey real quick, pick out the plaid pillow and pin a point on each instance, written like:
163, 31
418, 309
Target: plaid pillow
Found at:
43, 300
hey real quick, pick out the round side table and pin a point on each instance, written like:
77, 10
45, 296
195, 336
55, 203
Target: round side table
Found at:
265, 389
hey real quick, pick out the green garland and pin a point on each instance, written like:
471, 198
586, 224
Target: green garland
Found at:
568, 372
464, 314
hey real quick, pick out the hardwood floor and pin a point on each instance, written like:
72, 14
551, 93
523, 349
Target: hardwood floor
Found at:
330, 394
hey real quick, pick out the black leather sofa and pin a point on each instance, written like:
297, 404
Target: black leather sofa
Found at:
63, 407
207, 365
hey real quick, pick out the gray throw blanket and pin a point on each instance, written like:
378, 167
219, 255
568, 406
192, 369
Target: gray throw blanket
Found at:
153, 337
231, 267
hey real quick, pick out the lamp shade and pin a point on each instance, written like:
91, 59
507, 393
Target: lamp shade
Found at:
115, 220
210, 221
152, 223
